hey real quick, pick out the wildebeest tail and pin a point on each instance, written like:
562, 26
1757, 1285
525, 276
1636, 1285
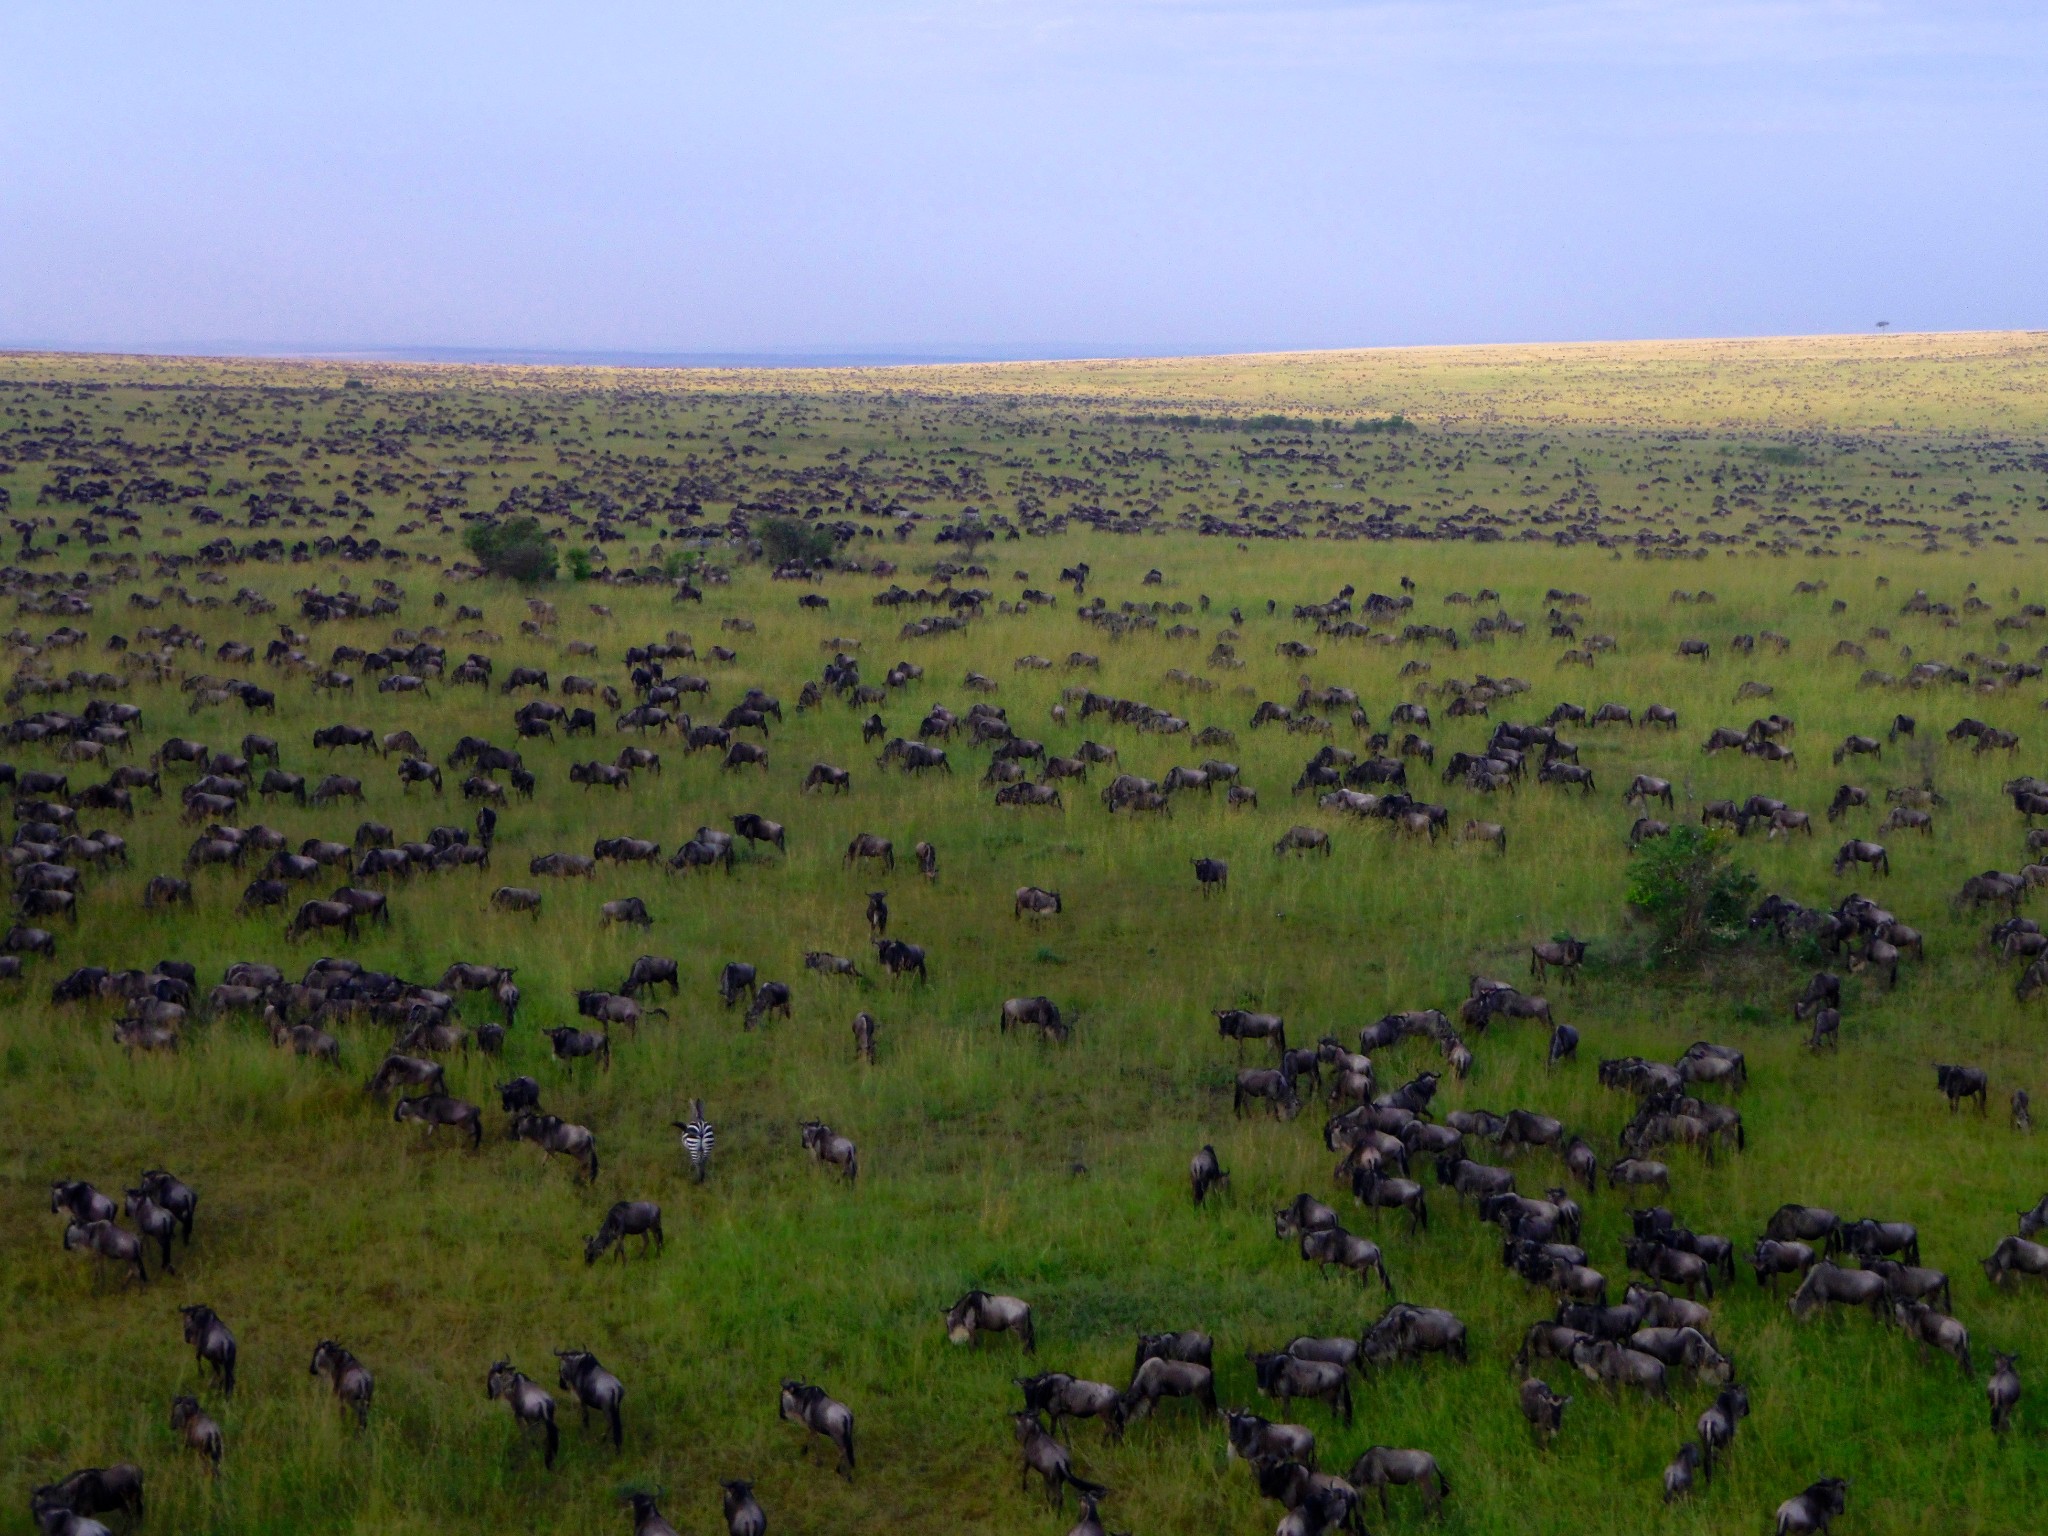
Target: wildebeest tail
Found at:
618, 1429
662, 1011
554, 1442
1082, 1485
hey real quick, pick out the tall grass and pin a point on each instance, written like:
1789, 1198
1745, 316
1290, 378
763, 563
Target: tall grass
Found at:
1055, 1173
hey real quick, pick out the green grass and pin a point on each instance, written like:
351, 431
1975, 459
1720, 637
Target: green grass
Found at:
321, 1218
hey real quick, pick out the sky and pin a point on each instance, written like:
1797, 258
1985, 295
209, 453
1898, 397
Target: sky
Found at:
1008, 178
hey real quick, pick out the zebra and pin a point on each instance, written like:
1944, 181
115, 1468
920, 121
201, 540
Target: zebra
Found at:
698, 1139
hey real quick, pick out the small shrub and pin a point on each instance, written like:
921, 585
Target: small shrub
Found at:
578, 561
516, 548
784, 539
1689, 888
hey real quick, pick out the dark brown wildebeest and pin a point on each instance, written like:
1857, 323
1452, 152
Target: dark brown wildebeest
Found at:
1813, 1510
594, 1387
1646, 787
1062, 1396
1240, 1025
1543, 1408
1963, 1083
1333, 1245
1212, 874
554, 1136
866, 845
743, 1513
978, 1312
759, 829
626, 1218
212, 1343
514, 898
353, 1385
1205, 1173
529, 1402
1857, 851
811, 1407
571, 1044
900, 959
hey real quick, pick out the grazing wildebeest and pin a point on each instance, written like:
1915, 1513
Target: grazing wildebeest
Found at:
212, 1343
1037, 901
2016, 1255
1333, 1245
353, 1385
554, 1135
811, 1407
1212, 874
1300, 839
1383, 1467
529, 1402
626, 1218
1813, 1510
866, 845
978, 1312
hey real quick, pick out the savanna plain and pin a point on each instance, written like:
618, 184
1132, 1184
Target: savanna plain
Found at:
1573, 515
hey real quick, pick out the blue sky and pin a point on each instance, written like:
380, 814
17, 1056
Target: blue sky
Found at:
1000, 177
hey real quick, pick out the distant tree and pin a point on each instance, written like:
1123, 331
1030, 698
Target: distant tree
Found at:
784, 539
513, 547
1688, 886
579, 563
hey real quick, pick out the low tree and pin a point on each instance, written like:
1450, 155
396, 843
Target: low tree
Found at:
513, 547
1688, 886
784, 539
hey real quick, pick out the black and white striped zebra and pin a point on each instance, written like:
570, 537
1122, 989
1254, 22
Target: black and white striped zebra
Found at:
698, 1140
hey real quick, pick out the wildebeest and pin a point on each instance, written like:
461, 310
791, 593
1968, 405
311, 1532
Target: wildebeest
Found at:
1543, 1408
570, 1044
1813, 1510
1205, 1173
821, 1414
212, 1343
827, 1146
529, 1402
978, 1312
1285, 1377
1158, 1376
1240, 1025
594, 1387
1062, 1396
626, 1218
2003, 1389
434, 1110
1963, 1083
2016, 1255
353, 1385
1037, 901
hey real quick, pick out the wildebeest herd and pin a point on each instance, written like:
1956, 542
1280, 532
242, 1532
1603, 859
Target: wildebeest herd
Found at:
502, 988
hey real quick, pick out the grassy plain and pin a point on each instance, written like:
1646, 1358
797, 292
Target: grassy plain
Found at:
320, 1218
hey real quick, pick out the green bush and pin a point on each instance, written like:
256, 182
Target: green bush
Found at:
516, 548
578, 561
788, 538
1688, 887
